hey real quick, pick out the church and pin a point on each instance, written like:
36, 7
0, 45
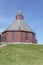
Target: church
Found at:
19, 31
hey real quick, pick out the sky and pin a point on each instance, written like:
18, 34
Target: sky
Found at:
32, 11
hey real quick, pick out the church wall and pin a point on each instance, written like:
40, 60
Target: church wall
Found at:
12, 36
32, 38
24, 37
18, 37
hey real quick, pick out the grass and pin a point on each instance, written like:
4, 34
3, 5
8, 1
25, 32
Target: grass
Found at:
20, 54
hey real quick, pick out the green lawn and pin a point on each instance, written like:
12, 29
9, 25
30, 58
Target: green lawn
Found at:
20, 54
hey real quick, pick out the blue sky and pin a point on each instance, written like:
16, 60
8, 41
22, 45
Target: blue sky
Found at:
32, 11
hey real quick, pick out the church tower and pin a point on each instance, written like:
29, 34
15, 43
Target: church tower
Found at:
19, 31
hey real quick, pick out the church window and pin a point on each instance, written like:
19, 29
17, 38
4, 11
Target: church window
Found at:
26, 37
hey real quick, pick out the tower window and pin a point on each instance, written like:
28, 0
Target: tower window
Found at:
26, 37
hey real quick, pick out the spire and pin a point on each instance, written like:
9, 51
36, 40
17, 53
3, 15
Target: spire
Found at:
19, 15
19, 12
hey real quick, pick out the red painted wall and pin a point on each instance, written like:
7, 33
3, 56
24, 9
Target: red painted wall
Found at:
19, 37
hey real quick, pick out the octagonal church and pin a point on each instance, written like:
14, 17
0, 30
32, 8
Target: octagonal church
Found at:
19, 31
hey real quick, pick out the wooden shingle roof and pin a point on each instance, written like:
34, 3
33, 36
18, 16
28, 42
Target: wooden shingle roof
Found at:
19, 24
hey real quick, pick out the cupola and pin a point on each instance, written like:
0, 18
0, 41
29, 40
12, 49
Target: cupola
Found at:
19, 15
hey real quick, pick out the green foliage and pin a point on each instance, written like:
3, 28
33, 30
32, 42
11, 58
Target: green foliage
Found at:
20, 54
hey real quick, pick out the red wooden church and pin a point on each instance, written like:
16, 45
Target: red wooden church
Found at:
19, 31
